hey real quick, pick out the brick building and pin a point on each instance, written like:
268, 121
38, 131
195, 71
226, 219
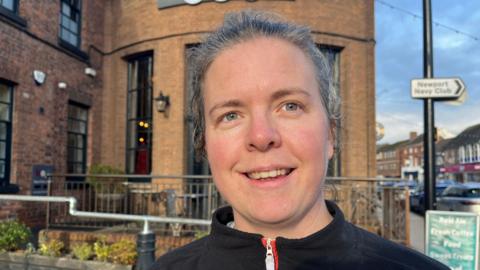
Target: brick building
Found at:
461, 156
405, 159
46, 96
389, 160
80, 81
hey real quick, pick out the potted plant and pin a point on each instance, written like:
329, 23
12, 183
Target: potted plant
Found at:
109, 190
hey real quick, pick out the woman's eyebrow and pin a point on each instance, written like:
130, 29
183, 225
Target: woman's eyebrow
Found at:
289, 91
228, 103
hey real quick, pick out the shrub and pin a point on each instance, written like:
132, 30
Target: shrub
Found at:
123, 252
52, 248
101, 249
82, 251
13, 235
106, 184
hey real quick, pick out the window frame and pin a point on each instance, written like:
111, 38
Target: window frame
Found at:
85, 141
63, 41
129, 120
5, 183
13, 15
15, 6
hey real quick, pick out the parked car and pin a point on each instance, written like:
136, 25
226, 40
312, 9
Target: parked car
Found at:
410, 184
460, 197
417, 197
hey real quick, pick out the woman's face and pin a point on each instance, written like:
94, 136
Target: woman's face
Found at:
266, 133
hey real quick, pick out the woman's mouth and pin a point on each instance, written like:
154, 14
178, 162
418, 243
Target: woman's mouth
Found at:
268, 175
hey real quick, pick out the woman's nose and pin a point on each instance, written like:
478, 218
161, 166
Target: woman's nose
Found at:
263, 134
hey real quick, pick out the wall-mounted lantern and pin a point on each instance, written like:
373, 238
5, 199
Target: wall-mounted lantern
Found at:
162, 102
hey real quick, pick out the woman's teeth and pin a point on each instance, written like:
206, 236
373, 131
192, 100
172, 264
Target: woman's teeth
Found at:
267, 174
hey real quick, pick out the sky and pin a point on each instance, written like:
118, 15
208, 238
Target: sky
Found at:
399, 58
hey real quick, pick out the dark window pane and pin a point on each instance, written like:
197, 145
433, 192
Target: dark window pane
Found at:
69, 167
2, 170
63, 33
78, 168
4, 112
82, 114
130, 161
132, 102
83, 127
65, 22
4, 93
66, 9
132, 138
70, 153
71, 140
73, 27
3, 150
148, 105
3, 131
73, 39
78, 155
133, 72
79, 141
8, 4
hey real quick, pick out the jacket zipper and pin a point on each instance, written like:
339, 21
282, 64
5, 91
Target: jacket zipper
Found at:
271, 258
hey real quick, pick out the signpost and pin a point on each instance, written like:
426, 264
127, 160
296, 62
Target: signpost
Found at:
437, 88
452, 238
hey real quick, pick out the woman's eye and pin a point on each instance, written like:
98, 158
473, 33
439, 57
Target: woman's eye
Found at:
230, 116
291, 106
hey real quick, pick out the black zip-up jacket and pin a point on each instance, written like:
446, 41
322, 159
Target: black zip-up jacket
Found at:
340, 245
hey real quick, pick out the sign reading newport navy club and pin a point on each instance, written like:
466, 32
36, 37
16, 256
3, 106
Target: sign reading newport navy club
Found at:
437, 88
452, 238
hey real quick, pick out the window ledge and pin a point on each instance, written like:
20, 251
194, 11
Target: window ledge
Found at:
76, 51
12, 17
10, 189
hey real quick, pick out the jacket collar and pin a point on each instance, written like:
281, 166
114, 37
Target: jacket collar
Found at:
336, 231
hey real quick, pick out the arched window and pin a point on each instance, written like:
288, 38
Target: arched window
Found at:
469, 153
461, 154
476, 152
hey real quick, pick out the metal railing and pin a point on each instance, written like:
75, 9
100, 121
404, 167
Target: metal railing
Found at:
374, 204
192, 197
367, 202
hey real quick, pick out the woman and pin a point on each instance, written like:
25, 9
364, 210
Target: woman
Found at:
265, 113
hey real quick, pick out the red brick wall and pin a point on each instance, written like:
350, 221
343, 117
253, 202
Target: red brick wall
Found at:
39, 123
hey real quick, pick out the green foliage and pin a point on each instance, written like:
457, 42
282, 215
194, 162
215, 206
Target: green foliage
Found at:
51, 248
82, 251
106, 184
13, 234
101, 249
201, 234
123, 252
